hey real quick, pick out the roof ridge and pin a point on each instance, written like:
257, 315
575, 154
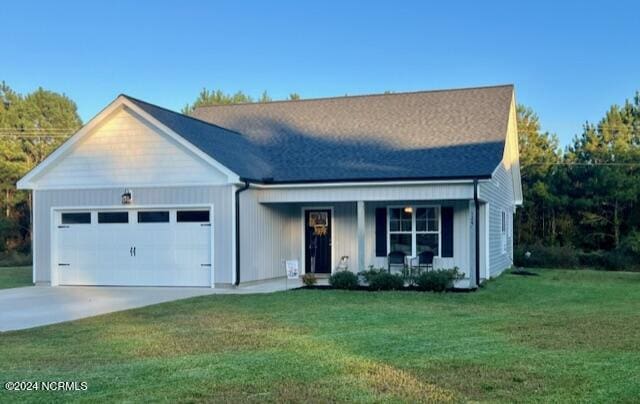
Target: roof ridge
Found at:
181, 114
341, 97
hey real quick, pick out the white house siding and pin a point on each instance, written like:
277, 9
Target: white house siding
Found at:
218, 196
270, 234
498, 193
126, 149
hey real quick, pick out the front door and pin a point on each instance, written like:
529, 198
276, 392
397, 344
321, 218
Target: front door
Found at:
317, 241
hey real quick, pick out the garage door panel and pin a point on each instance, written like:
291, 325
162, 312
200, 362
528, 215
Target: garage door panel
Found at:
166, 254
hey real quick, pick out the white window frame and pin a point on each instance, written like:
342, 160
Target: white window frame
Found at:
414, 232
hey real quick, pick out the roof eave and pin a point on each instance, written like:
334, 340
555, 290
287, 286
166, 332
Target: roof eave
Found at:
459, 178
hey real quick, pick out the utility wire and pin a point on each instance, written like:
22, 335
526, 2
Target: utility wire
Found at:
584, 164
35, 136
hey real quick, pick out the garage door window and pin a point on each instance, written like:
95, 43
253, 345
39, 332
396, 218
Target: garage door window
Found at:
76, 218
155, 216
193, 216
113, 217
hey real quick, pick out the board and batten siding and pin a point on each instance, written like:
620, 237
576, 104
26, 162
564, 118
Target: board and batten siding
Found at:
126, 149
270, 234
218, 196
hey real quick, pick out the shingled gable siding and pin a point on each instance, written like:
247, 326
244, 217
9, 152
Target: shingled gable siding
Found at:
218, 196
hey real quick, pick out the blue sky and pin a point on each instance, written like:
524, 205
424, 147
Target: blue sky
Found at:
569, 60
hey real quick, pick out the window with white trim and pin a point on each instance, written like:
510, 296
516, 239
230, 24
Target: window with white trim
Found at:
414, 229
503, 237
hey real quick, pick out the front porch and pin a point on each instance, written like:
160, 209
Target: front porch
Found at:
327, 236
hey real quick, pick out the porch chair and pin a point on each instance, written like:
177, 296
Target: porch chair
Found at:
396, 258
425, 261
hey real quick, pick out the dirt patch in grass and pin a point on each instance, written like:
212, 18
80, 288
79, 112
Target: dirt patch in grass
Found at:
483, 381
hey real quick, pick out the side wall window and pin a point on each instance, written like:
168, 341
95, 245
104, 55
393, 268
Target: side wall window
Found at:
503, 233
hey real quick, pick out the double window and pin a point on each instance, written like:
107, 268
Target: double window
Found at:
414, 229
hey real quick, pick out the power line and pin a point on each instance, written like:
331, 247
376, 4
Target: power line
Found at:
21, 129
584, 164
34, 136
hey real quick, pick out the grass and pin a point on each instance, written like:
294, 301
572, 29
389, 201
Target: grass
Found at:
14, 277
561, 336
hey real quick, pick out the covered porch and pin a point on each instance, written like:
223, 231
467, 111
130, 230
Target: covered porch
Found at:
355, 228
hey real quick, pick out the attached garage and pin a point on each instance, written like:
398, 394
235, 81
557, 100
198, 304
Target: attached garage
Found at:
174, 228
133, 247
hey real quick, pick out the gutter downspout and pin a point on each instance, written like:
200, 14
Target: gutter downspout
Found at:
477, 230
237, 200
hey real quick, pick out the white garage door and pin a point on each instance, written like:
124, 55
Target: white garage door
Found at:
142, 247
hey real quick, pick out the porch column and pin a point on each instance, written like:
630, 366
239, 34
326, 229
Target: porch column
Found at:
360, 220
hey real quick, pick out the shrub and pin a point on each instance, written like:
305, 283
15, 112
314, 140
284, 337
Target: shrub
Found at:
593, 259
544, 256
309, 279
385, 281
623, 258
631, 244
344, 280
14, 259
371, 273
438, 280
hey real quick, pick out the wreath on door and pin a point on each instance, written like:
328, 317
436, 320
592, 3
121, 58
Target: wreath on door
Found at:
319, 222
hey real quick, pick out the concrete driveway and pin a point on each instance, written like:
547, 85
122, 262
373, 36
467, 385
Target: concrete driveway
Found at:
34, 306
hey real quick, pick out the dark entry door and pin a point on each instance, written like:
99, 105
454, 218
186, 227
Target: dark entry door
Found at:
318, 241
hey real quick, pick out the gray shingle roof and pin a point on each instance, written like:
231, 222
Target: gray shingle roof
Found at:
421, 135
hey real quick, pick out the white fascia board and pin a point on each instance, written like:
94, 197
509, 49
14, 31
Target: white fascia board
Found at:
362, 184
131, 185
28, 181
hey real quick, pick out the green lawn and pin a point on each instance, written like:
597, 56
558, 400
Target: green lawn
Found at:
13, 277
564, 335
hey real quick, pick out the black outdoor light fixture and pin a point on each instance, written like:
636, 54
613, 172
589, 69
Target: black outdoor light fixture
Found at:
126, 197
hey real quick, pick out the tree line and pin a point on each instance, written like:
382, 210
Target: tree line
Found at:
585, 196
31, 127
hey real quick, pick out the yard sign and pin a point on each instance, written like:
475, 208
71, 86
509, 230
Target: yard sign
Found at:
292, 269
